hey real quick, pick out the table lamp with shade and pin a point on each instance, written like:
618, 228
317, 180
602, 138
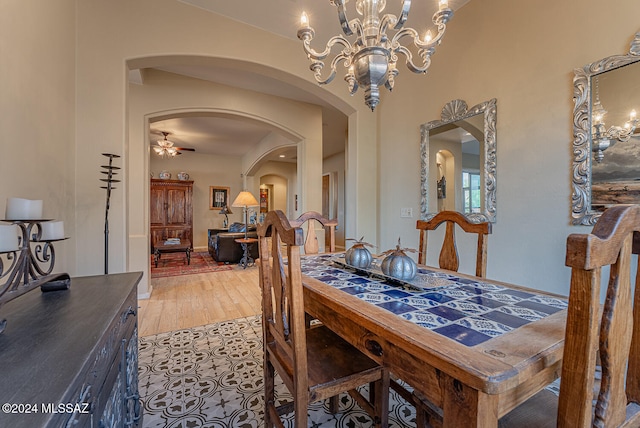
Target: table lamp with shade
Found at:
226, 210
245, 199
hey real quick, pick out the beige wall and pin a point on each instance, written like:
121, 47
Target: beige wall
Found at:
37, 120
522, 53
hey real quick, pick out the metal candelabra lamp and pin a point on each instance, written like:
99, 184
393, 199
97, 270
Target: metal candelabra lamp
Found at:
27, 255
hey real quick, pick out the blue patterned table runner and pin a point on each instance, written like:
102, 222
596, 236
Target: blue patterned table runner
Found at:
467, 311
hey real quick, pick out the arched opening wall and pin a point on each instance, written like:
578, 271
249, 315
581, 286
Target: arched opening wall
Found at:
105, 121
168, 95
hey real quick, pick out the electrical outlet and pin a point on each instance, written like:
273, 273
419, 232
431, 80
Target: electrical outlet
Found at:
406, 212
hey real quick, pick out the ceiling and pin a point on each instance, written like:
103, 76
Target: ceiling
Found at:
215, 135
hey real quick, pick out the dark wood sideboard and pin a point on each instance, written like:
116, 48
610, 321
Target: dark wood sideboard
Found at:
69, 358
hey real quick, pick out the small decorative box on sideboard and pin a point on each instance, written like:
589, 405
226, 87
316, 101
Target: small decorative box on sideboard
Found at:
70, 358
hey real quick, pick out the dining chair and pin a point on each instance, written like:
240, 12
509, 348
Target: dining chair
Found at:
314, 364
428, 414
607, 334
449, 253
311, 241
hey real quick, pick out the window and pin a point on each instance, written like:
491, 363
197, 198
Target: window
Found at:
471, 191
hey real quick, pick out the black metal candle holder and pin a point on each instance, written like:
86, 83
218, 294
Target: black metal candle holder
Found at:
30, 266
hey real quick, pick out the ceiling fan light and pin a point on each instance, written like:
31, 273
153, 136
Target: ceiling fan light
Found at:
158, 150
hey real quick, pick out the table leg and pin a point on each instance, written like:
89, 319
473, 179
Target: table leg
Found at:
246, 259
467, 407
188, 251
156, 256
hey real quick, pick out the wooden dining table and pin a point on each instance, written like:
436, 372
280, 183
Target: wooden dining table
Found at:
474, 347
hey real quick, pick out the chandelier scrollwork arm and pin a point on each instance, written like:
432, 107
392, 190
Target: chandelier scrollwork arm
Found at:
316, 58
387, 21
404, 14
371, 58
390, 20
342, 17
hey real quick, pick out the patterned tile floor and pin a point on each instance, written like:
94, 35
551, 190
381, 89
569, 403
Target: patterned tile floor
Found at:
211, 376
464, 310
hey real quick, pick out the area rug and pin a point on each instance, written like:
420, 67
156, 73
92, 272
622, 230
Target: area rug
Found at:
211, 377
174, 264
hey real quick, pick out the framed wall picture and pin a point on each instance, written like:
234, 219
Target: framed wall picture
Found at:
264, 200
218, 197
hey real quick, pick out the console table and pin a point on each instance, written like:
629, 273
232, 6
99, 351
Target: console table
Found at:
70, 358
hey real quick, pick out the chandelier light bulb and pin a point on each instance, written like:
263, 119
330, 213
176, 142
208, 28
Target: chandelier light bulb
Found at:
444, 4
632, 115
598, 119
304, 20
428, 37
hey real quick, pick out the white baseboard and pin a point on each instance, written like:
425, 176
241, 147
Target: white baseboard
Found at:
147, 295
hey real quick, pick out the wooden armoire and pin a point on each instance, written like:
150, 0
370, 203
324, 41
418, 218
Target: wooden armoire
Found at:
171, 210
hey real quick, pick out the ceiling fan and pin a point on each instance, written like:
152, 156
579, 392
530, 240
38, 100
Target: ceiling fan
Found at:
165, 148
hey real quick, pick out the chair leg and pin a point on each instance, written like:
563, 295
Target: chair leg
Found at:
300, 417
269, 393
427, 415
334, 404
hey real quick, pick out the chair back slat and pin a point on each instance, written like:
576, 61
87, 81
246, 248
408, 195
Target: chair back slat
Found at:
311, 242
282, 301
449, 258
449, 253
611, 336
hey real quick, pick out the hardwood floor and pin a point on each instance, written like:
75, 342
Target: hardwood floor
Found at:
191, 300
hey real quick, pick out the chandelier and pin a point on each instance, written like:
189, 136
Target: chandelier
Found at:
371, 58
604, 138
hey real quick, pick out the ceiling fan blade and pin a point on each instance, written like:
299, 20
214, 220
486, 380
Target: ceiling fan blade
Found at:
186, 149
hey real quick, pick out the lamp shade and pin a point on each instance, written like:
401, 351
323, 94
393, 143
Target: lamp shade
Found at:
245, 199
